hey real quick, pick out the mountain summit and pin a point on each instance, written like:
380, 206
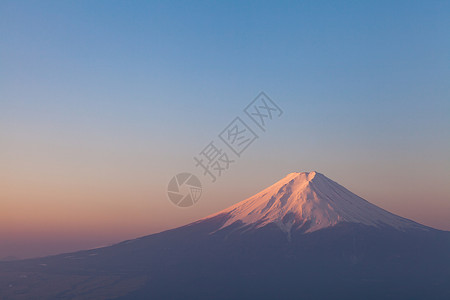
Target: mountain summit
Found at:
308, 201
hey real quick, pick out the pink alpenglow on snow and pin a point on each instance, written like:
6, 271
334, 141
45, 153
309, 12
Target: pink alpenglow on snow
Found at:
309, 201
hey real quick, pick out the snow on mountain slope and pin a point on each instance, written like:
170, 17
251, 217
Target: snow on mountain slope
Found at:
309, 201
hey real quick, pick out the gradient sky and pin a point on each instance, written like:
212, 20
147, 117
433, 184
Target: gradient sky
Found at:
101, 103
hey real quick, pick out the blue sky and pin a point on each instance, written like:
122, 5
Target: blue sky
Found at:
112, 98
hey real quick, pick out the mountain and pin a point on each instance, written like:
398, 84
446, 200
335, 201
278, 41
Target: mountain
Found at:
304, 237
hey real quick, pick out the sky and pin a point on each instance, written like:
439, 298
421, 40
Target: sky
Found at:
103, 102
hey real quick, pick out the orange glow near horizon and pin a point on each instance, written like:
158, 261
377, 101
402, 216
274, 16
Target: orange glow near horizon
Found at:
44, 219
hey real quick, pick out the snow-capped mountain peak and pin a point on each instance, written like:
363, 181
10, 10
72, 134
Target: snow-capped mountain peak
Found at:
308, 201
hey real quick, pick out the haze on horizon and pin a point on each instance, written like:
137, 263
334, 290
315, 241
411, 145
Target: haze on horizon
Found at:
101, 103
